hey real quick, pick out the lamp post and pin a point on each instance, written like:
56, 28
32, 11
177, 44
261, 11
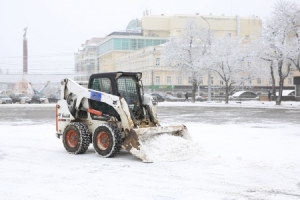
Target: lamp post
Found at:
209, 81
209, 87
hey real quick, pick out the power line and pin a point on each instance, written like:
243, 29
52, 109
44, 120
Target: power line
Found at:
43, 55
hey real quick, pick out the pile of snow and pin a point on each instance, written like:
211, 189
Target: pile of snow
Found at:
166, 147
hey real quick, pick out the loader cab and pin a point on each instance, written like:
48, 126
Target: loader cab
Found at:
123, 84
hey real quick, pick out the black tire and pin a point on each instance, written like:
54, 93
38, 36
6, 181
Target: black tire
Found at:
76, 138
107, 140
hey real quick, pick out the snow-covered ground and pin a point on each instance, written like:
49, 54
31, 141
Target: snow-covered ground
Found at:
228, 161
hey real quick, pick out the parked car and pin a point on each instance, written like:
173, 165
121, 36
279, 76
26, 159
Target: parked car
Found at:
244, 95
52, 98
158, 96
39, 99
171, 98
287, 95
20, 98
200, 98
4, 99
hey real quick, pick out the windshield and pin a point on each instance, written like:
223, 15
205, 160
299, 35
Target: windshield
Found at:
127, 87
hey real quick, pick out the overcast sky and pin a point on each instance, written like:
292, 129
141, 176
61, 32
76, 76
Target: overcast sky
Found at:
57, 28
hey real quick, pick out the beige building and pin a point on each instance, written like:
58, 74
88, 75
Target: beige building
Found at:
158, 76
139, 49
166, 26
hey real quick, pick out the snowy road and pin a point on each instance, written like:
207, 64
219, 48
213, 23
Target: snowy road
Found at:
246, 153
180, 113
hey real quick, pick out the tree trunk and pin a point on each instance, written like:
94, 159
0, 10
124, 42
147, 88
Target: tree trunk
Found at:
281, 79
194, 90
227, 87
278, 100
273, 82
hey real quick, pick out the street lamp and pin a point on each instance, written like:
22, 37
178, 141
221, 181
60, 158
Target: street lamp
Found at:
209, 81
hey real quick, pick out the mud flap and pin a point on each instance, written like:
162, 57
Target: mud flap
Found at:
133, 141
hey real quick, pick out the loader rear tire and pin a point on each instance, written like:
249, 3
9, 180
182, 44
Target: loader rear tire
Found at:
76, 138
107, 140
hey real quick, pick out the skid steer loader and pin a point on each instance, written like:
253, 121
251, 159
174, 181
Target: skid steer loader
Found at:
111, 113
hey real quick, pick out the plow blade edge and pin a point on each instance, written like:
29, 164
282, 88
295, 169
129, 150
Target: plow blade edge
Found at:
135, 139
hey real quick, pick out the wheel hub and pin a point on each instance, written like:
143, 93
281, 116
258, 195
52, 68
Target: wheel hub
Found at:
72, 138
102, 140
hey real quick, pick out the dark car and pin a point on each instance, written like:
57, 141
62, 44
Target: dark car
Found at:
39, 99
244, 95
20, 98
4, 99
171, 98
159, 97
52, 98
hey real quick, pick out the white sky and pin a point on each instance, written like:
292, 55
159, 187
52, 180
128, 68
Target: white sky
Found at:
57, 28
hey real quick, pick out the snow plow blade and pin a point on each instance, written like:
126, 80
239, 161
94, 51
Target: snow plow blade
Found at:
135, 139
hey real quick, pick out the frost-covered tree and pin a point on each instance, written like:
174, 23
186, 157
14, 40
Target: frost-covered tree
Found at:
281, 41
227, 59
286, 19
185, 52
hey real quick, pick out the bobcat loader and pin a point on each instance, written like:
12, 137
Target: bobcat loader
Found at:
111, 113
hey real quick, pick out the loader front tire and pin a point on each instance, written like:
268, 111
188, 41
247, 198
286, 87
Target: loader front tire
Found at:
107, 140
76, 138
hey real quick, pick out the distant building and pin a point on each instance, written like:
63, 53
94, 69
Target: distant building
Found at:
158, 76
166, 26
86, 59
119, 44
138, 49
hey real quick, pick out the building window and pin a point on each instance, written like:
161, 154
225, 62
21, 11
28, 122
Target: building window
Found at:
157, 63
149, 43
133, 44
221, 82
141, 44
169, 80
270, 82
190, 81
250, 82
290, 81
117, 44
179, 80
157, 80
156, 42
259, 81
212, 80
125, 44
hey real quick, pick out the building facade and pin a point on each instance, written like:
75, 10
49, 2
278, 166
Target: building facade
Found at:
86, 59
139, 49
119, 44
169, 26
